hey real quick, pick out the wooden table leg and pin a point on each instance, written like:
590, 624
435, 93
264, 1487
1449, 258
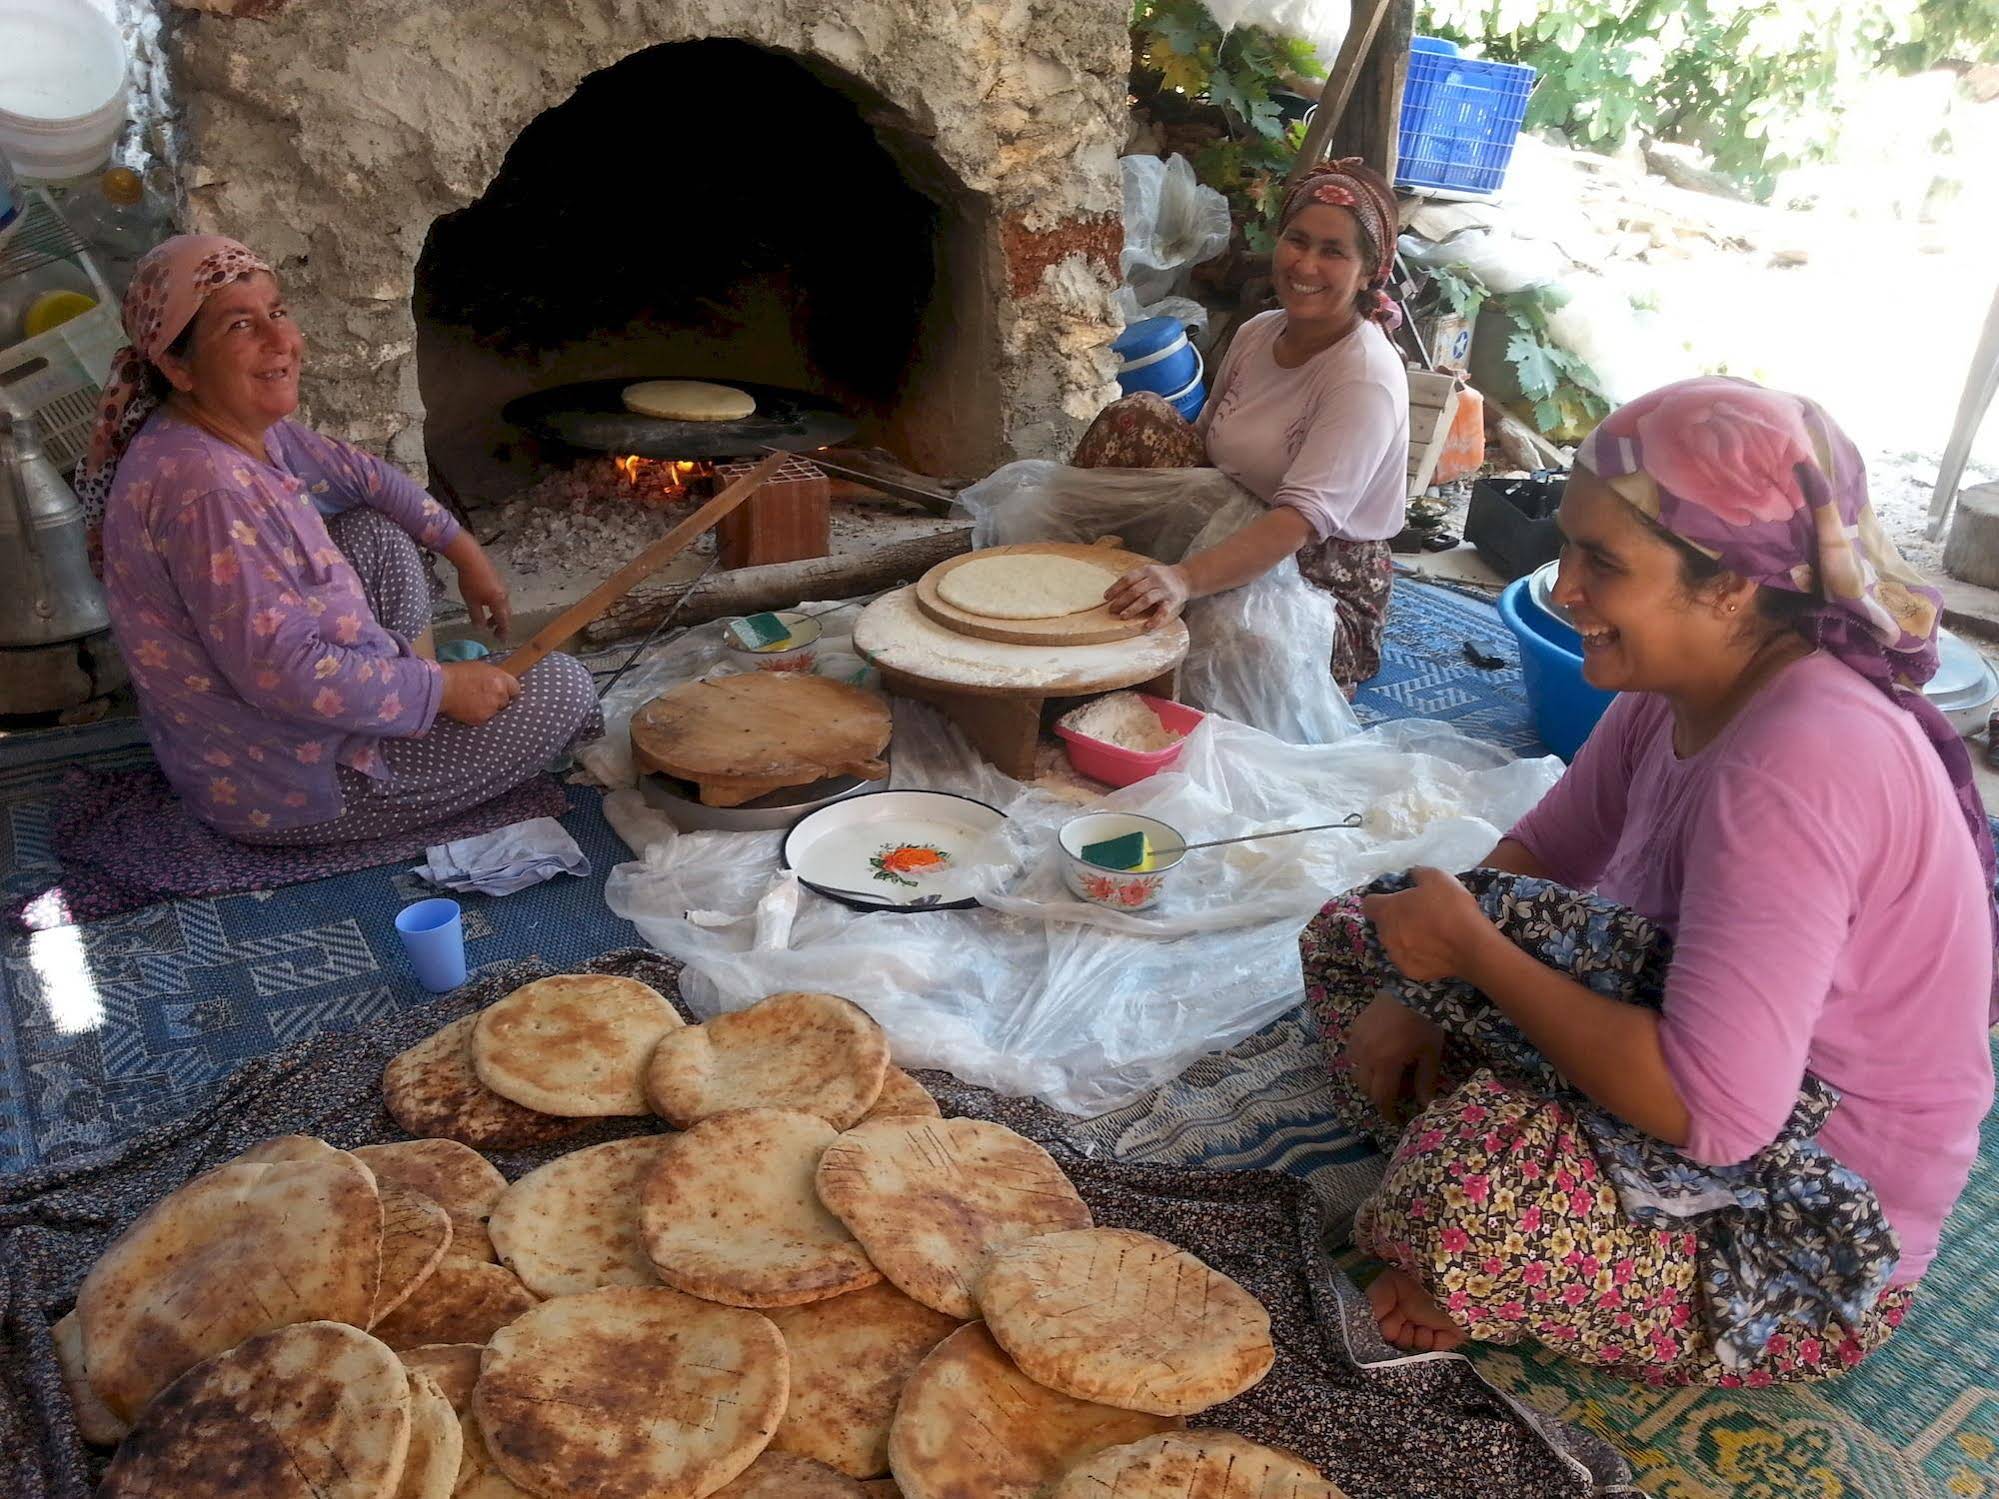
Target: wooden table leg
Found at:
1166, 685
1006, 730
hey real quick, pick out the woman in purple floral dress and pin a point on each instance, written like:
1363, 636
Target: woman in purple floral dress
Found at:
268, 587
1684, 1081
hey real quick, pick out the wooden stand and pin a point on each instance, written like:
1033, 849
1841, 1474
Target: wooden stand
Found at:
1006, 730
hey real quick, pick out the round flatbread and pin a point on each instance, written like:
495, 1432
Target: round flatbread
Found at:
630, 1392
463, 1301
1025, 585
239, 1250
1195, 1465
479, 1477
430, 1471
415, 1234
776, 1475
453, 1366
433, 1090
972, 1423
318, 1410
881, 1488
575, 1044
929, 1199
689, 401
902, 1097
454, 1176
573, 1225
95, 1422
1125, 1319
815, 1053
730, 1213
850, 1357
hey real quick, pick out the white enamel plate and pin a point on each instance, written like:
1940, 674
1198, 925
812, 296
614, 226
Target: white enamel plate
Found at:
890, 850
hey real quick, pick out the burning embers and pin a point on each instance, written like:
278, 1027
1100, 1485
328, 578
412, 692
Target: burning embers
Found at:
659, 482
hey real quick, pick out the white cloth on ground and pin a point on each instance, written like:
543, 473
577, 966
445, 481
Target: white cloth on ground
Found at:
506, 859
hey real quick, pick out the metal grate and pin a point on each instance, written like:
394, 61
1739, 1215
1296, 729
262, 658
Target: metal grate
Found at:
41, 238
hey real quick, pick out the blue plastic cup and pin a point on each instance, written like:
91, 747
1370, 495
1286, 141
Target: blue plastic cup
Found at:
433, 934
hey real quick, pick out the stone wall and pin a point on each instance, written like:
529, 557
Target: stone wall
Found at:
331, 134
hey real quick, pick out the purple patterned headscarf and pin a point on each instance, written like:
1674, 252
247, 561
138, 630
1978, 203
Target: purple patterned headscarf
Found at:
1769, 486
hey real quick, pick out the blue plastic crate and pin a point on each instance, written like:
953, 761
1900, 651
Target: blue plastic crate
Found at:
1460, 118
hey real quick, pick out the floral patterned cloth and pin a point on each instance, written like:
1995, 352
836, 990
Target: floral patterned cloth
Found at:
1144, 431
258, 663
1768, 485
1788, 1244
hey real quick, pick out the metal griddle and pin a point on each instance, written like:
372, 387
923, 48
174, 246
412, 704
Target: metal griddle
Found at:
592, 415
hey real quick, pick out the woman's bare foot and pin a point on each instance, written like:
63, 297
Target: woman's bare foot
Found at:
1408, 1316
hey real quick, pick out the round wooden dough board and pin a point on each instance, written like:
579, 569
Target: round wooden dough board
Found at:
1096, 626
738, 738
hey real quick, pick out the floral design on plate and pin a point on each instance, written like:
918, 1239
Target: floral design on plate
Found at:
896, 862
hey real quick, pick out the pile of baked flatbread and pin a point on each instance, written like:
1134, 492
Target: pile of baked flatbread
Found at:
811, 1287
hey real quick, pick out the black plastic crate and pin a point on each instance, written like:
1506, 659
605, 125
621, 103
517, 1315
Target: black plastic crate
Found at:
1512, 522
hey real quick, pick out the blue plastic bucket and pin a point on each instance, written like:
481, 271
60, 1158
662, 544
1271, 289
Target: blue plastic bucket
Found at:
1155, 355
1565, 707
1189, 401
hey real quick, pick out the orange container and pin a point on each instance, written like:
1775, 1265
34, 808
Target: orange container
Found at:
1463, 452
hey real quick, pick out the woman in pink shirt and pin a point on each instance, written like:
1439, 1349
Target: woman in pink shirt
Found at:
1702, 1124
1309, 412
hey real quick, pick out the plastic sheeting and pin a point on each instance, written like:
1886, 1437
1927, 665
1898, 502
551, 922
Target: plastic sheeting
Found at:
1171, 224
1261, 654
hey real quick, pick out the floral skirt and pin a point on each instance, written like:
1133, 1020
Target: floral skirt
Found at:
1144, 431
1495, 1201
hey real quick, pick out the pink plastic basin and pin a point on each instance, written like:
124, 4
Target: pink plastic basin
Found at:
1120, 767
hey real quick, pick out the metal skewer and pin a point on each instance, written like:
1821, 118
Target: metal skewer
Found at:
1351, 820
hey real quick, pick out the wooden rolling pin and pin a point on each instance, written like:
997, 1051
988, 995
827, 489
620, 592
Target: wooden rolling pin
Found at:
635, 572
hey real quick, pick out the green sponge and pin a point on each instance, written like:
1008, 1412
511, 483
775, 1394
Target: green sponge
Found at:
758, 631
1126, 851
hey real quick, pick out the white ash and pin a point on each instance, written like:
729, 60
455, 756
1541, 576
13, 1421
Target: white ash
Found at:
587, 516
1123, 719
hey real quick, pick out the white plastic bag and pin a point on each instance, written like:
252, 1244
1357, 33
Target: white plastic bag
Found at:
1323, 23
1502, 261
1171, 225
1261, 654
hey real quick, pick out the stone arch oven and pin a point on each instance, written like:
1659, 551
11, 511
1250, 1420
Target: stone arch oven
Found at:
910, 207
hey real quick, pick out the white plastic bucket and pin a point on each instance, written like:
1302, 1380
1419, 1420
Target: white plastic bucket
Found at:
62, 87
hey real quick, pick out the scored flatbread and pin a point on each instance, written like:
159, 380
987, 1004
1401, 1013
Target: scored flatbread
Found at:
573, 1225
816, 1053
972, 1423
1125, 1319
1195, 1465
454, 1367
430, 1471
850, 1357
454, 1176
929, 1199
463, 1301
95, 1422
776, 1475
902, 1097
730, 1213
630, 1393
689, 401
241, 1249
1025, 585
416, 1232
433, 1090
575, 1044
318, 1410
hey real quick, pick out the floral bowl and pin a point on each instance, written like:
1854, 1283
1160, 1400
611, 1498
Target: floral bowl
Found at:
797, 652
1116, 889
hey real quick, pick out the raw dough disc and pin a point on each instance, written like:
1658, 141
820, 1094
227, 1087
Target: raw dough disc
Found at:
689, 401
1025, 585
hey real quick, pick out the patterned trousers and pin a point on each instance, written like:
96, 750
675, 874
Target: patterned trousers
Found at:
1494, 1201
1144, 431
453, 766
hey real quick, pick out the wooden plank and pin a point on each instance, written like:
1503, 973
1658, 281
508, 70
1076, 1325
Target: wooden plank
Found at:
1371, 127
1339, 87
625, 579
1424, 458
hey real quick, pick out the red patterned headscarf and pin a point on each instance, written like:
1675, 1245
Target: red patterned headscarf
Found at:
1355, 186
168, 287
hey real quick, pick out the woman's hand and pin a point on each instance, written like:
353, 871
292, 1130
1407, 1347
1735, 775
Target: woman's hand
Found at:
485, 595
1432, 931
1157, 590
1395, 1053
476, 690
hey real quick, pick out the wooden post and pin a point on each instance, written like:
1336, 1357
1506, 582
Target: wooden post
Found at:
1371, 126
1355, 53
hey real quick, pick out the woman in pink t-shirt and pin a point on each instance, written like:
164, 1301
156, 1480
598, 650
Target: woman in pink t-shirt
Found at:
1703, 1123
1309, 412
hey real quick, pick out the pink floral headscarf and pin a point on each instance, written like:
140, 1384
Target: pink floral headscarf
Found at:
1352, 184
168, 287
1769, 486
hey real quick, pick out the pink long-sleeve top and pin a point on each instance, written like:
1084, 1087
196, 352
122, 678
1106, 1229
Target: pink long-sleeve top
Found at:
258, 663
1828, 915
1329, 439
